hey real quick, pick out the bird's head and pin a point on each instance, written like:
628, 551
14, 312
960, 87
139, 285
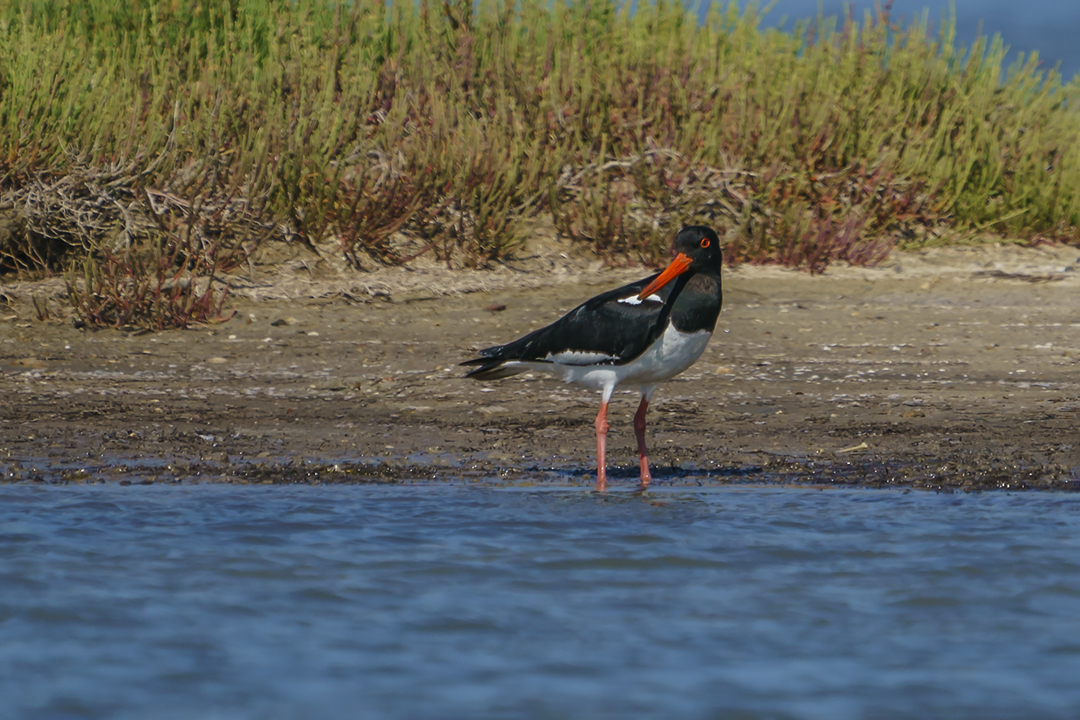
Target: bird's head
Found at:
697, 249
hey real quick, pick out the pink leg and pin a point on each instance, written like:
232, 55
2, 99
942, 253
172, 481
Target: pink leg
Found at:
643, 452
601, 448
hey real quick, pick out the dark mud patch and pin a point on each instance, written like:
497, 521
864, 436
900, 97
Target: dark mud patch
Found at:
975, 472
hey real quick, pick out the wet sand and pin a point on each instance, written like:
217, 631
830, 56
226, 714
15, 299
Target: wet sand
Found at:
944, 369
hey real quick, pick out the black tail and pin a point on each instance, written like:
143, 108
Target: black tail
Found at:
489, 369
493, 363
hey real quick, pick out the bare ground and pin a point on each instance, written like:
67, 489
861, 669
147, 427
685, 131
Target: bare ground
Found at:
950, 368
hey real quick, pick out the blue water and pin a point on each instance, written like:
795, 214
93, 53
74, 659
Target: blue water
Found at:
1050, 27
460, 602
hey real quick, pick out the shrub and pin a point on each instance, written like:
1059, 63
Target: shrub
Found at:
156, 141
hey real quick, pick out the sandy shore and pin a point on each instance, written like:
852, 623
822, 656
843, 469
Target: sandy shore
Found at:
955, 368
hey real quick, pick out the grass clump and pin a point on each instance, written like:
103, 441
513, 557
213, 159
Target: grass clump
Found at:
147, 149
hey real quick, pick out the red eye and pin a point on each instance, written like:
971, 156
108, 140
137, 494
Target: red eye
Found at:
704, 242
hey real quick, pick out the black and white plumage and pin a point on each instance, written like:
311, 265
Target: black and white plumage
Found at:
642, 333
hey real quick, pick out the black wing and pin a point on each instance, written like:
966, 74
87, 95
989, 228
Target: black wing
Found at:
612, 328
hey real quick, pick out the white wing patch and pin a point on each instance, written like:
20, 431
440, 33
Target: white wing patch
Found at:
633, 299
578, 357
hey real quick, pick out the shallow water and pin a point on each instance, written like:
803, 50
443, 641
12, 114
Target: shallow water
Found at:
456, 601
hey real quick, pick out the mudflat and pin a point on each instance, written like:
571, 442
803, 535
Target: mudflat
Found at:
952, 369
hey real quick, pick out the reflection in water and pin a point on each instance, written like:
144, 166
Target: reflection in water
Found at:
477, 602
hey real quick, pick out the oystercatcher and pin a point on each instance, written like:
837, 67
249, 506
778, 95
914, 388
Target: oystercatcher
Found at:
642, 333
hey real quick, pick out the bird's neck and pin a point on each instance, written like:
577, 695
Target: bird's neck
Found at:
698, 304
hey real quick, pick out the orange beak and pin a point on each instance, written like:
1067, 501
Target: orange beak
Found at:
677, 267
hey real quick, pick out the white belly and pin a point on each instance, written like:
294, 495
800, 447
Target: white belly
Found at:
672, 353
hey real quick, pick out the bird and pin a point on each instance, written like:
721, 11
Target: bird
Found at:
642, 334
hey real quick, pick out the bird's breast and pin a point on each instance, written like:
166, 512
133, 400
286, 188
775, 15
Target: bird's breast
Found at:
673, 352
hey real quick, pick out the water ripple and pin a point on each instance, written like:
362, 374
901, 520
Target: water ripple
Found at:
405, 602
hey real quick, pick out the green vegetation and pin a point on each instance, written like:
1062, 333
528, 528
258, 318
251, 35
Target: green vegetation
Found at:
147, 148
